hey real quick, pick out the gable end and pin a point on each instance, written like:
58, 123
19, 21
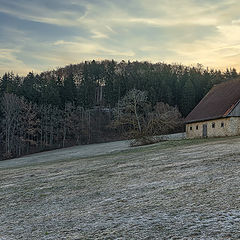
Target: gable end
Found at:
235, 111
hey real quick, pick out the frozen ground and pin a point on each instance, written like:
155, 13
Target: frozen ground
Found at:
67, 153
170, 190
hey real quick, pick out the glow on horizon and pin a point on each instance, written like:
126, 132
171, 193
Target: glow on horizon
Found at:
41, 35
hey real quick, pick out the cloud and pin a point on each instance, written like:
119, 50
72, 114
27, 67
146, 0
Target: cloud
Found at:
170, 22
40, 11
9, 62
81, 47
221, 50
43, 34
97, 34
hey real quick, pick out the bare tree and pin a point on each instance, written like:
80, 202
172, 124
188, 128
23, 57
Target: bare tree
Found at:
10, 107
20, 124
163, 119
134, 115
131, 110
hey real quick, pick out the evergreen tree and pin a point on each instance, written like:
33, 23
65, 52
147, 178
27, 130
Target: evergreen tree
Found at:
188, 98
9, 83
50, 93
68, 90
29, 88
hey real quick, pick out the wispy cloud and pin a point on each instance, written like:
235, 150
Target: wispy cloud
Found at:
170, 22
9, 62
40, 11
97, 34
81, 47
43, 34
220, 50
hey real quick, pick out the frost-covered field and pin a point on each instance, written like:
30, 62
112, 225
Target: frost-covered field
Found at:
170, 190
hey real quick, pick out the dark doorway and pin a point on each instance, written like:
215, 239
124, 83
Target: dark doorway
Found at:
204, 134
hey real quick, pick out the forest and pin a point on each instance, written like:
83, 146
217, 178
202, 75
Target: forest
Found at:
84, 103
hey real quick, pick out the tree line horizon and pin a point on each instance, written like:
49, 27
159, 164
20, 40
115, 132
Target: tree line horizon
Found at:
73, 104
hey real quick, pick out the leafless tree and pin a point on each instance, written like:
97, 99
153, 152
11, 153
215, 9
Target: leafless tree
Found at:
10, 107
134, 115
131, 110
163, 119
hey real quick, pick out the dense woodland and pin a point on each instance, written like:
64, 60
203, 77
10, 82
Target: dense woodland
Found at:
79, 104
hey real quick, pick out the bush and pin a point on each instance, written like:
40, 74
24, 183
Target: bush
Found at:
144, 140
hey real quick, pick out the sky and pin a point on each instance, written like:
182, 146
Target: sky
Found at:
41, 35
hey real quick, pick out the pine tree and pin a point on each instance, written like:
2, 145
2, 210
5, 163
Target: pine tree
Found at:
188, 98
29, 88
68, 90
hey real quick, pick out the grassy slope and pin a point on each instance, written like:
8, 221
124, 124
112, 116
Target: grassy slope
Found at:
173, 189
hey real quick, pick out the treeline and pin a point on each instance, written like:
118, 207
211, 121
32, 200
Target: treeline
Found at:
104, 83
72, 105
27, 127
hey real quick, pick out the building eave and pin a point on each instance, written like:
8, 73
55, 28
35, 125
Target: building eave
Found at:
205, 119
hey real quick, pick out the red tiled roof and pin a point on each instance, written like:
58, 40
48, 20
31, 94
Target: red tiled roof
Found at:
219, 102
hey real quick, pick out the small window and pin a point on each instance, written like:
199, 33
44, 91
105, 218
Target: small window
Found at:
197, 127
222, 124
213, 125
190, 128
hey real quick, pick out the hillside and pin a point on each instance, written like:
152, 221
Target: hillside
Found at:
78, 104
170, 190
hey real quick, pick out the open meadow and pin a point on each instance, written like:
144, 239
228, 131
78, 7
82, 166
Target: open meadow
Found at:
186, 189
